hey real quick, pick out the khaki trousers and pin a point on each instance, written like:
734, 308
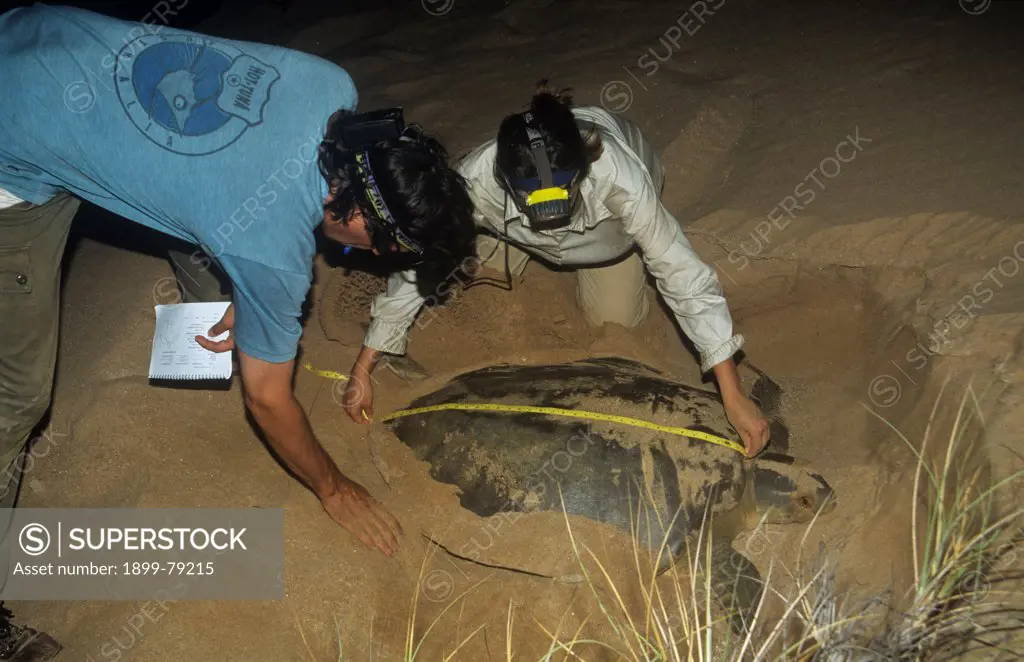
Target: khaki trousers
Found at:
615, 293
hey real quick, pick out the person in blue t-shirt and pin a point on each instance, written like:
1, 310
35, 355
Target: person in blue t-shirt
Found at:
242, 150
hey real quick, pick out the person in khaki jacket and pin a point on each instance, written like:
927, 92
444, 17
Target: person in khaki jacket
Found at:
579, 187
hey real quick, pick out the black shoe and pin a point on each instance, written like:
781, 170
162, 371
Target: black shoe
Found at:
21, 644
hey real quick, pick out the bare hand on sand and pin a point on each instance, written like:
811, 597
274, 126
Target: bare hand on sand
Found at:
353, 508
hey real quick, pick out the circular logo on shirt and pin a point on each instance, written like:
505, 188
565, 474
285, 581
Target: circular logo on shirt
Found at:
190, 94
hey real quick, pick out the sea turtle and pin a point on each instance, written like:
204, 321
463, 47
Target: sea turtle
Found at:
654, 485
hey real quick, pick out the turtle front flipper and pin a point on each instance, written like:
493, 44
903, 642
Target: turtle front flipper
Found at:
736, 584
405, 368
767, 394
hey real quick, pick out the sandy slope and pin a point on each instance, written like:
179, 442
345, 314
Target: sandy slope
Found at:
744, 110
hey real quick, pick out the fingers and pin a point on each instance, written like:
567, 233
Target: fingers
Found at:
350, 403
749, 445
763, 433
378, 529
366, 540
226, 322
755, 439
376, 537
385, 526
216, 345
217, 329
360, 413
354, 517
371, 523
389, 529
395, 525
751, 442
352, 412
384, 539
358, 401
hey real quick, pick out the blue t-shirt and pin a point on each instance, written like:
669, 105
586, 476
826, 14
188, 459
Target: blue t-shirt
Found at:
213, 141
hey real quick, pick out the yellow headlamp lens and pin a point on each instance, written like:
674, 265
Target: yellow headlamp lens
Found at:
547, 195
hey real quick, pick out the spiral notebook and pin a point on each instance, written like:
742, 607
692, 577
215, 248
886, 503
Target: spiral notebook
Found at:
176, 354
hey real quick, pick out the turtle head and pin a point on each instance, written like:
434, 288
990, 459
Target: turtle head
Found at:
789, 491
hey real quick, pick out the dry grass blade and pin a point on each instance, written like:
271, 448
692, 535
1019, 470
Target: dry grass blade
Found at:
590, 583
341, 643
411, 650
557, 645
952, 606
302, 634
508, 634
463, 643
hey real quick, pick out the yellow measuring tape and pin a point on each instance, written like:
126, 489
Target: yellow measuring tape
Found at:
573, 413
552, 411
329, 374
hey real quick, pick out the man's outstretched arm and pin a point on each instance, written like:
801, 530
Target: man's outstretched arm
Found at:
268, 395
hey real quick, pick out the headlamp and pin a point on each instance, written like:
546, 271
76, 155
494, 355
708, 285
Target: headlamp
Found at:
547, 207
382, 215
546, 200
359, 132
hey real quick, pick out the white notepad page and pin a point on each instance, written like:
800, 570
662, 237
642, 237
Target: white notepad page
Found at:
176, 354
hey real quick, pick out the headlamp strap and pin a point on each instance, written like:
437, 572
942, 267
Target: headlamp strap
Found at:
540, 155
377, 201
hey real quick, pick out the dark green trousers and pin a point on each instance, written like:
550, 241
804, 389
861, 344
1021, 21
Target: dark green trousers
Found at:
198, 276
32, 240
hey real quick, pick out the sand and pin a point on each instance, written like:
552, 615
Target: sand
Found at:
848, 300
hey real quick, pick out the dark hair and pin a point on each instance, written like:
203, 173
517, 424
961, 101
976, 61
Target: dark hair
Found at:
567, 147
427, 197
